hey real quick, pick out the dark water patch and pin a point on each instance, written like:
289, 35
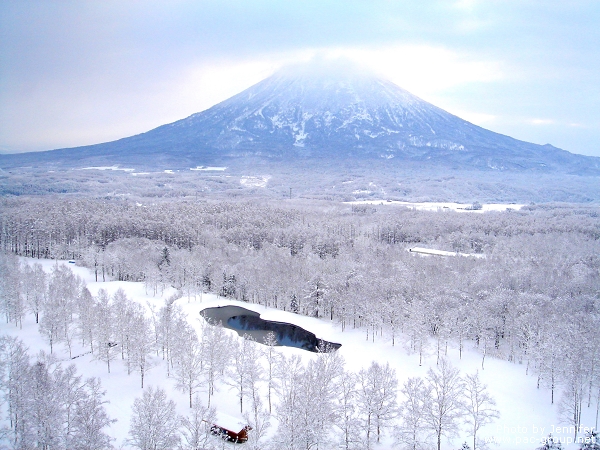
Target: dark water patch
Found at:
246, 322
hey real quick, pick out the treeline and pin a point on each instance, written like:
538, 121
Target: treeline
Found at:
533, 299
53, 227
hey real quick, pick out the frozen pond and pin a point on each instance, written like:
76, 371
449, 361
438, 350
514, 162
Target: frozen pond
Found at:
246, 322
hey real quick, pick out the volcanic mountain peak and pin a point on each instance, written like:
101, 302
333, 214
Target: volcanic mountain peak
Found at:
324, 110
325, 91
331, 110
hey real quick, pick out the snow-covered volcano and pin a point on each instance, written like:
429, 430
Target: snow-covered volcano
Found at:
327, 111
330, 111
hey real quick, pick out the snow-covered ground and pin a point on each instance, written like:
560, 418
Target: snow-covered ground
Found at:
441, 206
115, 167
250, 181
209, 169
433, 252
526, 412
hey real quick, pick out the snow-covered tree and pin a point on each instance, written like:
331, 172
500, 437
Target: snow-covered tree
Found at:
575, 378
170, 319
216, 348
57, 322
16, 390
121, 308
46, 419
316, 291
90, 419
71, 390
259, 420
271, 356
86, 320
291, 403
550, 443
348, 415
318, 395
376, 399
245, 370
154, 422
412, 432
36, 289
105, 333
12, 302
195, 427
416, 327
50, 406
188, 362
547, 351
140, 342
479, 406
591, 441
445, 406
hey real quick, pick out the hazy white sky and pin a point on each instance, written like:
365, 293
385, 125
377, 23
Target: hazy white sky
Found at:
82, 72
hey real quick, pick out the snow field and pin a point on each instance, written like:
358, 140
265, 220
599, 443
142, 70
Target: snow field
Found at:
440, 206
526, 413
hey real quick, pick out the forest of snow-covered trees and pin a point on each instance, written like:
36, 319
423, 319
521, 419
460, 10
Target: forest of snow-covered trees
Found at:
317, 405
532, 300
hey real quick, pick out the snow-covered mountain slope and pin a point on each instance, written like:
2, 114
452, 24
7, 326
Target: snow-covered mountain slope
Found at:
333, 112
